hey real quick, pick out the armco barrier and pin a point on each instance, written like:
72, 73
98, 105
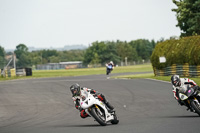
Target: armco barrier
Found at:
185, 70
12, 72
20, 72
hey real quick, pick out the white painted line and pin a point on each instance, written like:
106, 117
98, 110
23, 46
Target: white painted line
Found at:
159, 80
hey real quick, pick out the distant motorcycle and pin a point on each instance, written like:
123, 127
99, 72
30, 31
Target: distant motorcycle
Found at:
98, 110
192, 97
109, 68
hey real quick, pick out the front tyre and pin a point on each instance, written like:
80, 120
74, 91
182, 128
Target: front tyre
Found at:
115, 121
107, 72
98, 117
196, 106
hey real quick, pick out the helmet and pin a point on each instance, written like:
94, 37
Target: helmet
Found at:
175, 80
75, 89
111, 62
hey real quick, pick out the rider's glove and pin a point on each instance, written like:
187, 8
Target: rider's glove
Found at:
80, 109
73, 98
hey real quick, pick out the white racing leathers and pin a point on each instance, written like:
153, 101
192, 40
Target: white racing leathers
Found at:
76, 99
184, 81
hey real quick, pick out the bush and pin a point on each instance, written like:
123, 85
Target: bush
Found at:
184, 50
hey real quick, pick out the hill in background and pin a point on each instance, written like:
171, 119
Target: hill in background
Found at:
66, 47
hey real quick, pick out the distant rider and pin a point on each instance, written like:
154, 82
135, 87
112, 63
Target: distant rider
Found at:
178, 84
110, 64
77, 94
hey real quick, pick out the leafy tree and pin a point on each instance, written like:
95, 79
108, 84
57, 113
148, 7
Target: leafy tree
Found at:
22, 55
153, 43
2, 57
2, 52
2, 62
45, 54
143, 47
36, 57
105, 51
97, 48
110, 53
21, 49
95, 59
54, 59
188, 16
125, 50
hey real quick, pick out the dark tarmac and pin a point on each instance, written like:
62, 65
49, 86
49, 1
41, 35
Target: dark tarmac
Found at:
45, 106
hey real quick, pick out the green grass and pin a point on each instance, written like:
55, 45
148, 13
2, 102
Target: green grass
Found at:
101, 70
84, 71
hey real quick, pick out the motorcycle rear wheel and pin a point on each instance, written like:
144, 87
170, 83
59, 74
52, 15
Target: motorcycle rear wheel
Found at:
196, 107
97, 117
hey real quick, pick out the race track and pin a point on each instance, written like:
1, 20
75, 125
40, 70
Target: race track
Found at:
45, 106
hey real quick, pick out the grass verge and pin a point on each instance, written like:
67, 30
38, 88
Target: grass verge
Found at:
84, 71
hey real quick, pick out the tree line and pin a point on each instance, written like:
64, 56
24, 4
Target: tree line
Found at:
188, 16
97, 53
117, 51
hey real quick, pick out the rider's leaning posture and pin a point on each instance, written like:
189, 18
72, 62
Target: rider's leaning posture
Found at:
178, 84
78, 93
110, 64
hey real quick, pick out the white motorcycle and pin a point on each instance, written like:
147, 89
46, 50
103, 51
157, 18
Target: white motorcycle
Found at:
191, 96
109, 68
97, 109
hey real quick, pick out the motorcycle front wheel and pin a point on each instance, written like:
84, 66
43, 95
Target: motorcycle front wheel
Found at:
196, 106
115, 121
107, 72
98, 117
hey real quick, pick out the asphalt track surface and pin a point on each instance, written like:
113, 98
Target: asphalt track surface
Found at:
45, 106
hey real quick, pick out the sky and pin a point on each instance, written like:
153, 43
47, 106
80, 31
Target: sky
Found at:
57, 23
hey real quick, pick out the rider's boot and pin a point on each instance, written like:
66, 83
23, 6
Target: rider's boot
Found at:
83, 114
110, 107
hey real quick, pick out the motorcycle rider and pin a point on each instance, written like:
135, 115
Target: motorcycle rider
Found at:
78, 92
110, 64
178, 84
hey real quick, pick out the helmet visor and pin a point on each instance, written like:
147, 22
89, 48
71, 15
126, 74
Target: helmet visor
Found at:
176, 83
74, 91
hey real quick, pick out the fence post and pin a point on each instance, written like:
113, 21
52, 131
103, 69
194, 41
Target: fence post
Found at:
161, 72
173, 69
186, 70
